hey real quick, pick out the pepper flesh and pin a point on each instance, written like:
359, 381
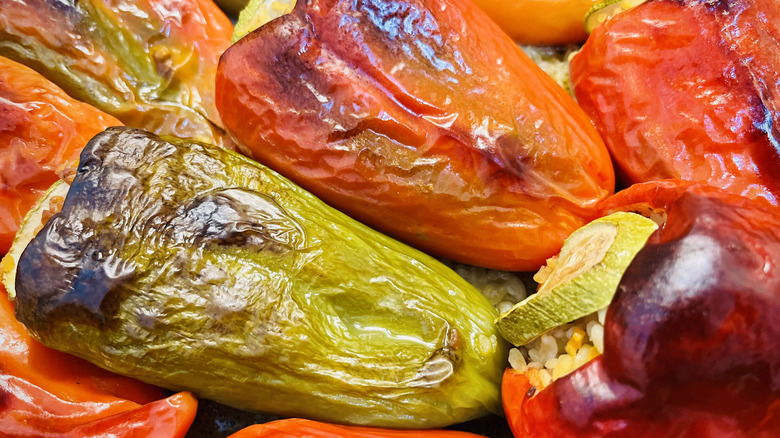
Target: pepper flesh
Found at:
422, 119
301, 428
688, 90
150, 63
691, 337
42, 132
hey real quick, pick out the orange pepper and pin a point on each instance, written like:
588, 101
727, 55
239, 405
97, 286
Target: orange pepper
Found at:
300, 428
421, 119
540, 22
42, 132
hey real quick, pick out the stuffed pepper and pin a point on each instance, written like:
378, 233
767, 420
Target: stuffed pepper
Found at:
689, 340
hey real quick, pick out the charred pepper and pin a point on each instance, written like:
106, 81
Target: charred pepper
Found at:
193, 268
46, 393
422, 119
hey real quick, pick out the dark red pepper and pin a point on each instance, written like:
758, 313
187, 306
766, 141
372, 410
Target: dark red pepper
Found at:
691, 338
688, 89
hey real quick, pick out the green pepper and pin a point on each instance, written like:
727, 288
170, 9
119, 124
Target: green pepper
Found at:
191, 267
149, 63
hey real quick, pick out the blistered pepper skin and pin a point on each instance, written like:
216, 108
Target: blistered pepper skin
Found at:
691, 338
42, 132
419, 118
150, 63
194, 268
688, 89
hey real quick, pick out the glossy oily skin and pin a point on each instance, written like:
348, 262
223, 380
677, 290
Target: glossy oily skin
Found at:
47, 393
693, 98
422, 119
299, 427
540, 22
42, 132
194, 268
150, 63
690, 339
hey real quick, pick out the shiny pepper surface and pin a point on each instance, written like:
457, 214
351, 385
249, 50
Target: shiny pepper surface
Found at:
688, 90
237, 285
46, 393
422, 119
302, 428
691, 338
42, 132
150, 63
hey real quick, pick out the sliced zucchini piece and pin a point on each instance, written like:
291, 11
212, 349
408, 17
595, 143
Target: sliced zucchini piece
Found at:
582, 279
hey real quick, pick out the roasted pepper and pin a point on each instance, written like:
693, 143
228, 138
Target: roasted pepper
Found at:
540, 22
301, 428
42, 132
150, 63
691, 337
46, 393
422, 119
194, 268
687, 89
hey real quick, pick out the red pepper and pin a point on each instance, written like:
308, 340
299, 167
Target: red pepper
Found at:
300, 428
691, 337
688, 89
46, 393
29, 411
149, 63
42, 132
422, 119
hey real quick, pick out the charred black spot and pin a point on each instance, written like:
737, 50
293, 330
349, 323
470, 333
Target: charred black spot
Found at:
131, 198
531, 391
65, 6
236, 217
81, 281
73, 269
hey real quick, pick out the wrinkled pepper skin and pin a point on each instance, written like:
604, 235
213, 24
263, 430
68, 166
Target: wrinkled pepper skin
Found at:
193, 268
691, 338
422, 119
688, 89
30, 412
150, 63
47, 393
167, 418
42, 132
302, 428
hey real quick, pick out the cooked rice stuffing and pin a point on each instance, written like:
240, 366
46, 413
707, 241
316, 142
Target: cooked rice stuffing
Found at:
563, 349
